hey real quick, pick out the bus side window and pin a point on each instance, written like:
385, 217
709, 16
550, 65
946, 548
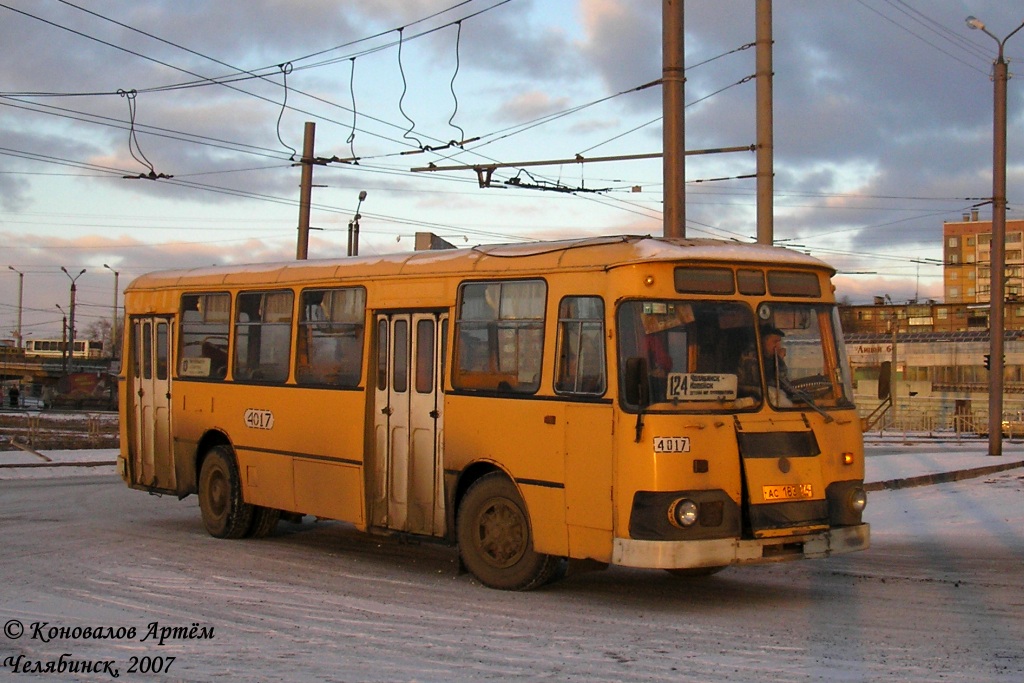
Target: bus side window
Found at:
580, 352
499, 336
263, 336
204, 336
330, 342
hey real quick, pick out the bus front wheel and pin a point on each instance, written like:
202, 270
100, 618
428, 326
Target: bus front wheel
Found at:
225, 514
495, 541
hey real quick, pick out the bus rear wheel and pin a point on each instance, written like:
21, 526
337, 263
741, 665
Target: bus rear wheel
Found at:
495, 541
264, 521
225, 514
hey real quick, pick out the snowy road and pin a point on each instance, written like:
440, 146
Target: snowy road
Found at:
940, 596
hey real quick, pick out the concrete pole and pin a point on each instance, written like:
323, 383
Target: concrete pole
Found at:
997, 292
765, 125
305, 191
21, 290
674, 129
997, 289
113, 320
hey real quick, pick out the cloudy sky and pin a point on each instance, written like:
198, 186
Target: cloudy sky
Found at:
883, 130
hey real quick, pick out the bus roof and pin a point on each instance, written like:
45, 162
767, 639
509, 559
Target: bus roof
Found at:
498, 259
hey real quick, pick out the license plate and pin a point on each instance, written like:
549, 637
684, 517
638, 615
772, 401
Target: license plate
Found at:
787, 492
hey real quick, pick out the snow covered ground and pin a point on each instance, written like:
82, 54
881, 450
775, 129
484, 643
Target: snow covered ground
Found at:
938, 597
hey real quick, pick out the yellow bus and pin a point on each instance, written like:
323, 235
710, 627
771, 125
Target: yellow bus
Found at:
590, 402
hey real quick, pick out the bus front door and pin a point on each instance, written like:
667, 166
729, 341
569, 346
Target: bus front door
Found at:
152, 462
406, 477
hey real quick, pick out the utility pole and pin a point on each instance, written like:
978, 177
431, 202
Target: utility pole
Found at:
997, 289
765, 125
305, 191
63, 341
113, 321
70, 349
674, 128
21, 289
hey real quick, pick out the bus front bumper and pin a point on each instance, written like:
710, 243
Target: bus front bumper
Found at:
728, 551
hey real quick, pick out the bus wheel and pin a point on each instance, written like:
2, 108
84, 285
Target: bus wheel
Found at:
694, 572
494, 537
264, 521
225, 514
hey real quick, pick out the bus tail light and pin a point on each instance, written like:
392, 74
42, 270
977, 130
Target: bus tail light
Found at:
848, 458
683, 513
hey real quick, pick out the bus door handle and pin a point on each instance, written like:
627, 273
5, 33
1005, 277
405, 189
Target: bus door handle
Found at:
141, 393
435, 414
386, 410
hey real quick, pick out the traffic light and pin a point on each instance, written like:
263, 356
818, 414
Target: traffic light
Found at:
988, 362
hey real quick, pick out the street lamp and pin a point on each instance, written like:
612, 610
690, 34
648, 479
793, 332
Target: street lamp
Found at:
113, 321
353, 228
21, 289
997, 291
71, 324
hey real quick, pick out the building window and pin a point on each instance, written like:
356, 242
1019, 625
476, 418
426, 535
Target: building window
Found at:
953, 258
942, 313
954, 292
1013, 254
970, 241
952, 241
1013, 237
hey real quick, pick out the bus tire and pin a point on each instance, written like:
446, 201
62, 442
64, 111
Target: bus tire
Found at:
495, 541
264, 521
225, 514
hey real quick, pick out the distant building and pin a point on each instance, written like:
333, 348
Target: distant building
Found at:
967, 260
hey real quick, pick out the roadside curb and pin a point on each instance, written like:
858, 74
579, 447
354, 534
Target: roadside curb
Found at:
940, 477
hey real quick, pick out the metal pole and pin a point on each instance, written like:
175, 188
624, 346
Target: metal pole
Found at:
893, 366
674, 129
21, 289
353, 227
765, 125
305, 191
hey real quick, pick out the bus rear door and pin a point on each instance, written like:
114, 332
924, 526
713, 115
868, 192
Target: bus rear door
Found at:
152, 463
406, 475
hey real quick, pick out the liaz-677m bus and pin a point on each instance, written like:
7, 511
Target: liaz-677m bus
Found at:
665, 403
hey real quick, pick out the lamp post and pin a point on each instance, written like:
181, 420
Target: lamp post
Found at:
113, 320
353, 228
997, 291
21, 289
70, 349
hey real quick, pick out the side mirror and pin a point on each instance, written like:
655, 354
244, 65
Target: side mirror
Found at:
638, 393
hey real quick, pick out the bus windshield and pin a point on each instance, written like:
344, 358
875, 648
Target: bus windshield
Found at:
705, 356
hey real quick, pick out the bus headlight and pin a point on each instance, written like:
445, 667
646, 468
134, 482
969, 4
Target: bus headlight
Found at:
858, 499
683, 513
